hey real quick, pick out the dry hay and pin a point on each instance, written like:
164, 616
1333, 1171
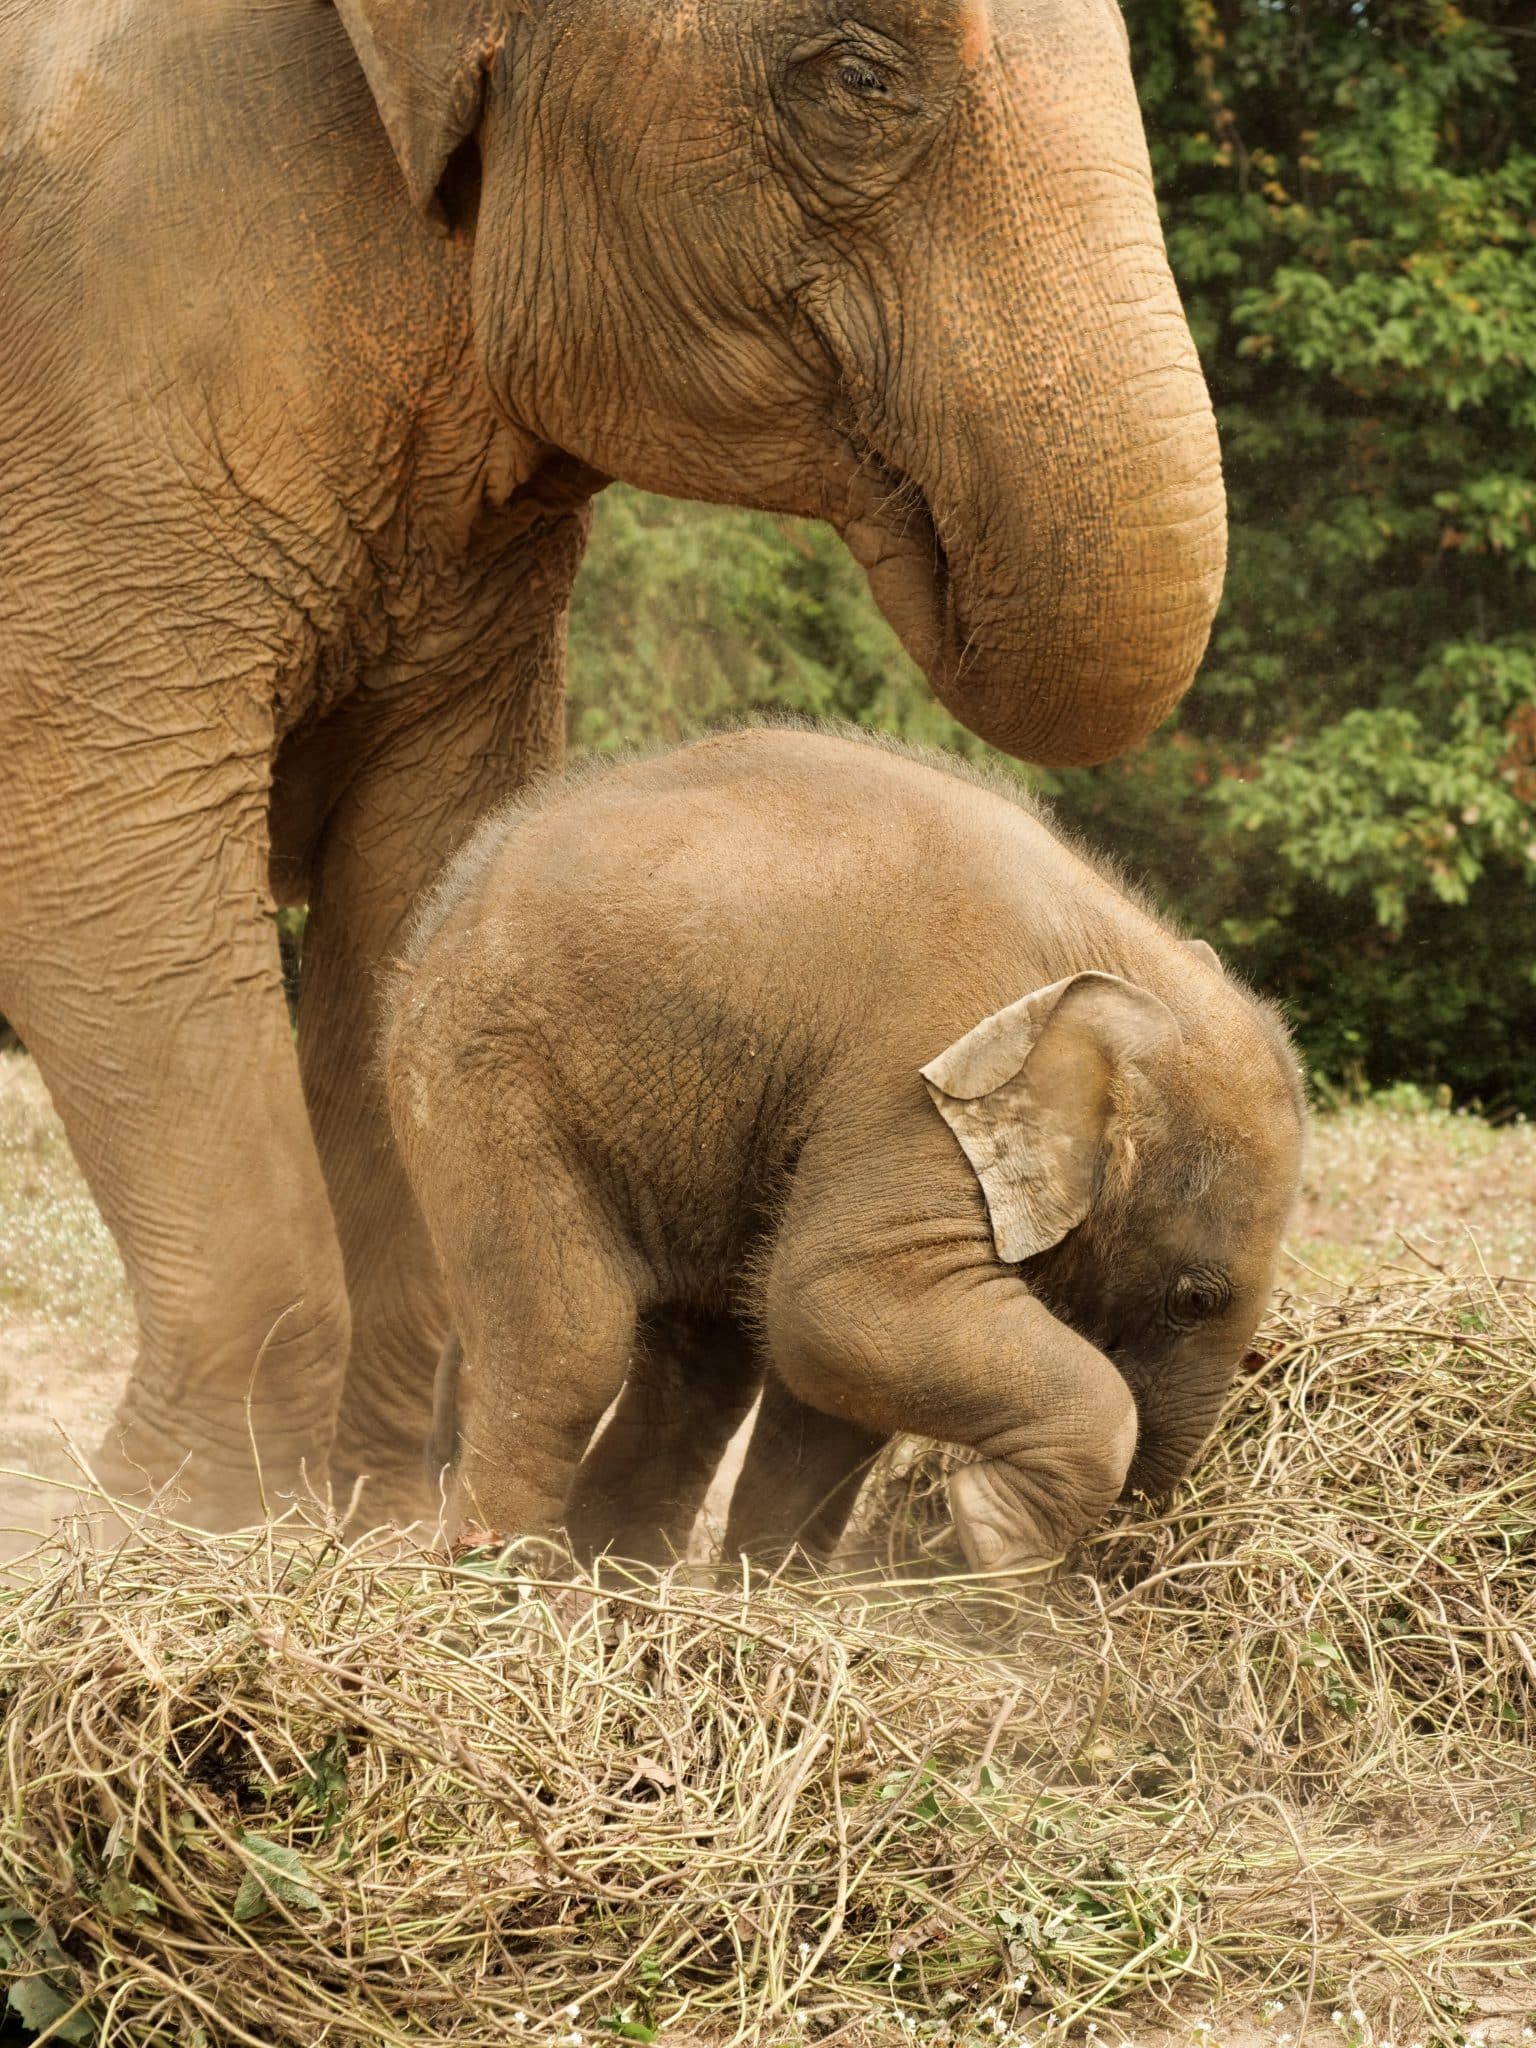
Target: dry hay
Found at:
1277, 1742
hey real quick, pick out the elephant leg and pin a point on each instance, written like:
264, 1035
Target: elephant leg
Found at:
141, 967
643, 1482
799, 1480
417, 795
546, 1328
883, 1307
443, 1445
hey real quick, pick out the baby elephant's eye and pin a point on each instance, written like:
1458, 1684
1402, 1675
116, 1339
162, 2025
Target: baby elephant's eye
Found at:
1195, 1297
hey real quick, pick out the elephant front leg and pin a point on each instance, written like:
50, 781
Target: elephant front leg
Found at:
141, 965
643, 1482
924, 1333
799, 1481
419, 794
1050, 1422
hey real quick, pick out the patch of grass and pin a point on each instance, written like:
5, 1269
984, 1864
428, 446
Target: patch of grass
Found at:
57, 1259
1401, 1169
1276, 1740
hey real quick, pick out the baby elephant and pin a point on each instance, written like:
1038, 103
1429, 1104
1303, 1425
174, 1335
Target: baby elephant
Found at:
793, 1060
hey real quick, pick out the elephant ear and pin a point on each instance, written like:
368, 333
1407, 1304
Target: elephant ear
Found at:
426, 62
1029, 1094
1206, 953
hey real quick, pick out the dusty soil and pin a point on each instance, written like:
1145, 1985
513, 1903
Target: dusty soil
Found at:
66, 1325
1397, 1180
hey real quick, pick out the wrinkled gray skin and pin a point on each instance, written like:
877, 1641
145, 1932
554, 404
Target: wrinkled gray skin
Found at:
318, 327
794, 1052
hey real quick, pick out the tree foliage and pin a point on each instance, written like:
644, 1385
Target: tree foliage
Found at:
1347, 801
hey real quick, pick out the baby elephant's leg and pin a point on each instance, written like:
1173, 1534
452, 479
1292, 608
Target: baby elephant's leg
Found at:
643, 1482
970, 1358
799, 1480
543, 1302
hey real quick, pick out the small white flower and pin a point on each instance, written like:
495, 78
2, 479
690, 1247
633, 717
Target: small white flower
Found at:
519, 2019
574, 2038
1336, 2017
573, 2010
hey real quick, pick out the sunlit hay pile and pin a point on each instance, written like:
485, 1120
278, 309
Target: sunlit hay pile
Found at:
1279, 1744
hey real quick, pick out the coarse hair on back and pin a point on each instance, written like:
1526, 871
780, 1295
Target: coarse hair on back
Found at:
466, 869
999, 780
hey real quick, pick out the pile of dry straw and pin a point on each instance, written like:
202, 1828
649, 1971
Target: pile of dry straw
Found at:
1276, 1742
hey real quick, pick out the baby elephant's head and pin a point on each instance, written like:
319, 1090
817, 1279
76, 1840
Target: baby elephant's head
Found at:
1141, 1170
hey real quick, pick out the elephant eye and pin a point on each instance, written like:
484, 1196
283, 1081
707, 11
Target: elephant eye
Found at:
863, 80
861, 88
1196, 1297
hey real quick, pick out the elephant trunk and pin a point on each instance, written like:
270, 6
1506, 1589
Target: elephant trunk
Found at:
1178, 1416
1046, 528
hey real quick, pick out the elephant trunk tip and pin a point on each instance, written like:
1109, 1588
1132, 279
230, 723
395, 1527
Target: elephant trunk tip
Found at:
1062, 635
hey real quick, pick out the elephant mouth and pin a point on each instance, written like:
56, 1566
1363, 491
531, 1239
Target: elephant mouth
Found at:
891, 532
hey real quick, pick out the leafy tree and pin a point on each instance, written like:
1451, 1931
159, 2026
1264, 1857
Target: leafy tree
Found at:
687, 616
1350, 201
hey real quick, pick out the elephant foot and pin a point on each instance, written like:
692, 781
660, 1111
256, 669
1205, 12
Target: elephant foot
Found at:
192, 1486
997, 1531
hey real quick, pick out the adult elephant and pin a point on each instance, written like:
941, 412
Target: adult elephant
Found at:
320, 325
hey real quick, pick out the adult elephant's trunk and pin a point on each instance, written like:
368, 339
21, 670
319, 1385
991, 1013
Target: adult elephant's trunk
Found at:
1041, 514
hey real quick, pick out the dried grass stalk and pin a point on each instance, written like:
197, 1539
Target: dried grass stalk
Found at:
278, 1790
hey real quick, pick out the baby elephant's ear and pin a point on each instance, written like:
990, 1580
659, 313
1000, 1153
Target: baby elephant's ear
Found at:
1029, 1094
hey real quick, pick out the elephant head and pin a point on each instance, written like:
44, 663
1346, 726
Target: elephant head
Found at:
895, 264
1140, 1171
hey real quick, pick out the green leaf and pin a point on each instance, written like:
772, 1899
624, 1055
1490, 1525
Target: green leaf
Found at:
118, 1895
324, 1785
38, 2003
276, 1875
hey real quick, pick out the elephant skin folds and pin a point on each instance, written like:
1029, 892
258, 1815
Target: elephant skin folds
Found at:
794, 1054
